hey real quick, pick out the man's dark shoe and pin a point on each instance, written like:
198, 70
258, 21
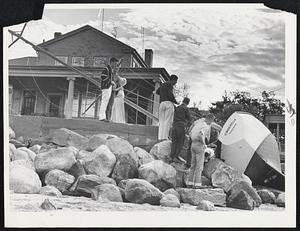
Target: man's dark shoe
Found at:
104, 120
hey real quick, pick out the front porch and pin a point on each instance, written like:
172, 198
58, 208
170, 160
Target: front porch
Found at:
47, 91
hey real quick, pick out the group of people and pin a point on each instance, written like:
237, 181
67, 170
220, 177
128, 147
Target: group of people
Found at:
179, 119
170, 116
112, 96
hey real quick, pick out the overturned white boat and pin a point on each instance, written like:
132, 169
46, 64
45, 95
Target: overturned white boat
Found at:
250, 147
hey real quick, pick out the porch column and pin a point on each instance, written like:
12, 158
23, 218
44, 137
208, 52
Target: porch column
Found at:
156, 101
69, 106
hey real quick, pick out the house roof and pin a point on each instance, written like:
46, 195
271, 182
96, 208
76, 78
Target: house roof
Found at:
63, 72
100, 33
24, 61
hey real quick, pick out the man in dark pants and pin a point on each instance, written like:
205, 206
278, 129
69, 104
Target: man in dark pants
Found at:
107, 83
182, 119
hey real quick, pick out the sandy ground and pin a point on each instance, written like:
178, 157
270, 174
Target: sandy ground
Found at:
32, 202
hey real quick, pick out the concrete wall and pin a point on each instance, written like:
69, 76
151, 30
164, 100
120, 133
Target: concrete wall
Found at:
37, 127
86, 44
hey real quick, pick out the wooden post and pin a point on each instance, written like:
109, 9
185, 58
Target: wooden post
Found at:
69, 107
79, 103
96, 107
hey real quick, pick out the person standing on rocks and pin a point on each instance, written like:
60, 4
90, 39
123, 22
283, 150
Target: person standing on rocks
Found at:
182, 120
199, 132
166, 107
107, 84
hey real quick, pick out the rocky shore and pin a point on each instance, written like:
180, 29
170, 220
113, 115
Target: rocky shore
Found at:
106, 173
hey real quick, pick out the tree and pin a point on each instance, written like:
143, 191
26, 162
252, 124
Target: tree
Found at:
242, 101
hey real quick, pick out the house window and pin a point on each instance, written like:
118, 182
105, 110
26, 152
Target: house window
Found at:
62, 58
28, 102
100, 61
78, 61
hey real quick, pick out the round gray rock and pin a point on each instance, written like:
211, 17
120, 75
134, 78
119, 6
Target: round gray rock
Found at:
206, 206
108, 192
61, 158
141, 191
266, 196
162, 150
101, 162
144, 157
170, 200
24, 180
280, 200
50, 190
59, 179
158, 173
173, 192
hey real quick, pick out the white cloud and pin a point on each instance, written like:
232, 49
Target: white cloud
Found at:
212, 48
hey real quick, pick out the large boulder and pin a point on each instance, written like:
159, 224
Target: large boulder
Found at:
12, 134
266, 196
280, 200
222, 175
194, 196
126, 167
50, 190
158, 173
241, 200
36, 148
242, 185
170, 200
20, 154
59, 179
119, 147
61, 158
25, 163
66, 137
24, 180
144, 157
96, 140
173, 192
106, 192
206, 206
141, 191
77, 169
12, 150
30, 153
17, 143
82, 154
85, 183
122, 183
45, 147
162, 150
101, 162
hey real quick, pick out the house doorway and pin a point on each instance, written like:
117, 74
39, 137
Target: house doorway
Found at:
28, 105
55, 102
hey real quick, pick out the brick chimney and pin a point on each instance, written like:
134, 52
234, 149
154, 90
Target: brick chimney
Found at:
57, 34
149, 57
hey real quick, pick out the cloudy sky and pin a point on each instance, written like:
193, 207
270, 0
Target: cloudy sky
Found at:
212, 48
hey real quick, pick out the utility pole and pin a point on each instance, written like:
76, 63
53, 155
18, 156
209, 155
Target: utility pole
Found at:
102, 18
143, 49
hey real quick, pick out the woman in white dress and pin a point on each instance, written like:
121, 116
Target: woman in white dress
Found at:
118, 109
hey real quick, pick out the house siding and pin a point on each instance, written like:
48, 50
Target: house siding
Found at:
87, 44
